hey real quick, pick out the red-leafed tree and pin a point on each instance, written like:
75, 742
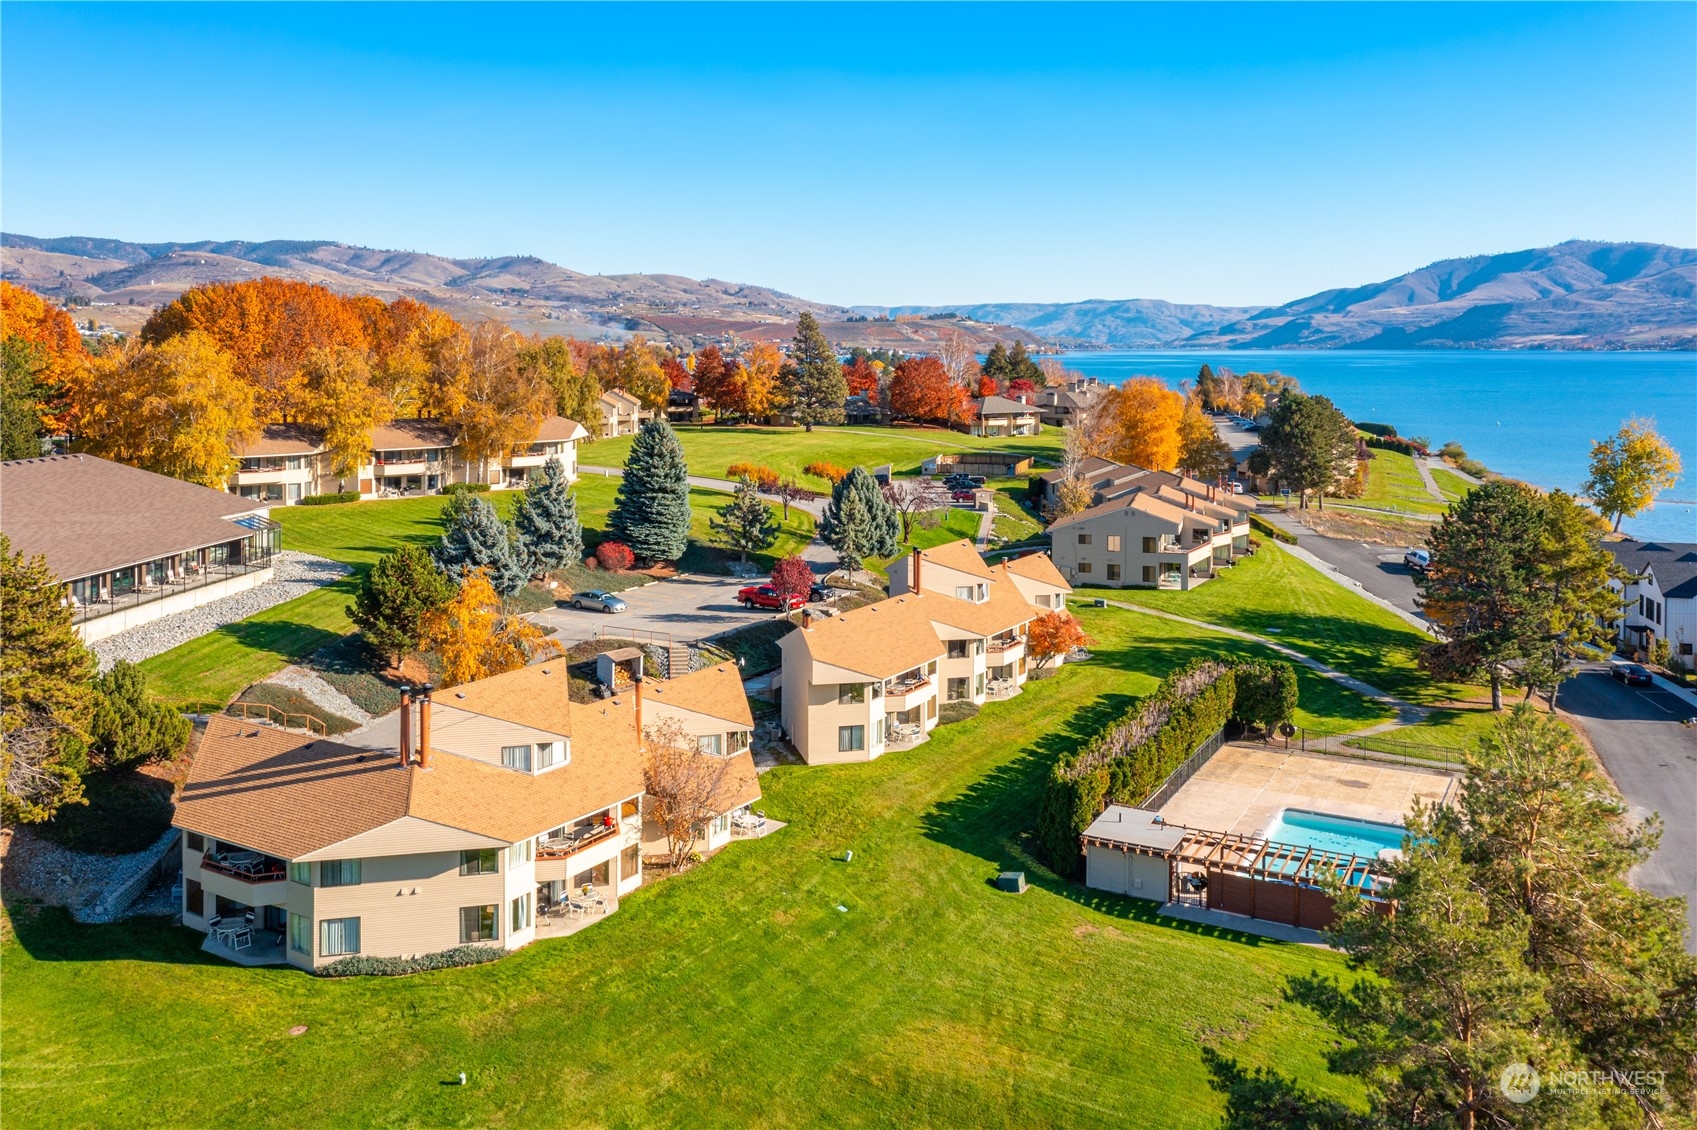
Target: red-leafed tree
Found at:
792, 577
987, 385
709, 378
677, 374
921, 390
1051, 635
862, 379
1019, 386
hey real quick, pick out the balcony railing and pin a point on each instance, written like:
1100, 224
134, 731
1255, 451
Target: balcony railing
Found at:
249, 867
198, 577
906, 686
575, 841
1001, 644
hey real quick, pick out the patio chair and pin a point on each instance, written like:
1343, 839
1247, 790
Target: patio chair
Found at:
241, 939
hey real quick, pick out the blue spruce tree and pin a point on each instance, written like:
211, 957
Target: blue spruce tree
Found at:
858, 522
549, 533
651, 510
477, 537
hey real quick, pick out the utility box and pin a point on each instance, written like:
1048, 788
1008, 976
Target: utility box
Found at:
1011, 881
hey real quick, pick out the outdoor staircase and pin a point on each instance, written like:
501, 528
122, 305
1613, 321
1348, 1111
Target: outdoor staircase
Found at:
678, 658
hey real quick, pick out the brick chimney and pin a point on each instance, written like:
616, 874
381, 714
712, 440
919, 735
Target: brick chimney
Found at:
424, 727
640, 740
918, 560
406, 726
806, 620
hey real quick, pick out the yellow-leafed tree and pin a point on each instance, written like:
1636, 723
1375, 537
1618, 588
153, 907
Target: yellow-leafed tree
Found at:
341, 399
1629, 469
474, 639
1142, 424
503, 401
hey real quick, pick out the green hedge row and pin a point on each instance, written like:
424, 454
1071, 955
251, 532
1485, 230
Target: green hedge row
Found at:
1130, 758
1395, 443
329, 499
1261, 526
400, 966
465, 488
1377, 429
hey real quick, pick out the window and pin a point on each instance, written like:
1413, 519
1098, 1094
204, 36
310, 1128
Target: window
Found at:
959, 649
963, 592
194, 898
878, 734
1148, 545
521, 913
850, 738
978, 685
877, 690
1083, 539
300, 933
1043, 600
1685, 649
722, 824
598, 876
477, 924
739, 740
522, 852
958, 689
481, 861
196, 841
1113, 571
710, 743
338, 873
1113, 543
931, 667
516, 757
630, 862
931, 707
850, 692
1084, 567
338, 936
301, 873
1149, 574
548, 753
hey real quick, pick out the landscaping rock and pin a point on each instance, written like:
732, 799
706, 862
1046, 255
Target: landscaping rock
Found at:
322, 694
293, 574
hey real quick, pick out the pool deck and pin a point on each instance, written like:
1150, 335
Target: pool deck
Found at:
1243, 786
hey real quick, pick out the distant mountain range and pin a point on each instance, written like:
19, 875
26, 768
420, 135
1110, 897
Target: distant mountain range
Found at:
123, 282
1575, 295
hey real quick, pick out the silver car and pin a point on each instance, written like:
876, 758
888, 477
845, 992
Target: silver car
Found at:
597, 601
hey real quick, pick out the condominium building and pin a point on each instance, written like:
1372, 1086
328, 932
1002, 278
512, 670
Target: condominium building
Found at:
622, 414
483, 814
874, 679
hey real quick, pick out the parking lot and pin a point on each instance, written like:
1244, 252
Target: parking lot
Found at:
685, 608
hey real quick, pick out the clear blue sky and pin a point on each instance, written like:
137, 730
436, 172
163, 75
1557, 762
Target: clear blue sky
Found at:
870, 154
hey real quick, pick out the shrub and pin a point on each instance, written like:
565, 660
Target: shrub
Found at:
401, 966
952, 712
465, 488
1265, 694
1377, 429
128, 728
1130, 758
1396, 443
828, 471
329, 499
1261, 526
763, 477
615, 556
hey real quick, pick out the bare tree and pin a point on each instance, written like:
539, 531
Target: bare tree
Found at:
912, 497
788, 491
682, 786
959, 360
1073, 492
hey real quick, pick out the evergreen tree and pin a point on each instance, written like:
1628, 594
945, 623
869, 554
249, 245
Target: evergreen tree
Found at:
46, 695
20, 400
858, 522
477, 539
393, 598
1310, 445
816, 386
1021, 366
549, 533
1208, 387
128, 726
747, 524
651, 510
996, 364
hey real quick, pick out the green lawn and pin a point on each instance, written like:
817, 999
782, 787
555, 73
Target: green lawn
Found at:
711, 449
736, 994
1452, 484
215, 667
1394, 483
958, 522
1274, 595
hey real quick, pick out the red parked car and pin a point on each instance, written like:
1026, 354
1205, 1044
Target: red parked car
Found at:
765, 596
963, 496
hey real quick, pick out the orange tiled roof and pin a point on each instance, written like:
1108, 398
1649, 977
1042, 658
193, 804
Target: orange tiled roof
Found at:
1038, 567
879, 640
714, 691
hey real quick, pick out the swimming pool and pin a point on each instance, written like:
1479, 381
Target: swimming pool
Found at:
1342, 835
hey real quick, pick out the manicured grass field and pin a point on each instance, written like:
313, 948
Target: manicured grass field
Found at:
711, 449
1452, 484
736, 994
1274, 595
1394, 483
216, 666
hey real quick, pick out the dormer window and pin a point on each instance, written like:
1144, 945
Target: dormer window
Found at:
549, 753
516, 757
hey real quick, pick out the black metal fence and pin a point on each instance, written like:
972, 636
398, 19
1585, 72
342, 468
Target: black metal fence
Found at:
1187, 769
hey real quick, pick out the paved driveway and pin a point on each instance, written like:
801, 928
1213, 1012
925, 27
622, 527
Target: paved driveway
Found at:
684, 608
1376, 568
1653, 760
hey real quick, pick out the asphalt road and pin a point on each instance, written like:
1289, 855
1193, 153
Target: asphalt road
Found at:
1377, 568
684, 609
1653, 760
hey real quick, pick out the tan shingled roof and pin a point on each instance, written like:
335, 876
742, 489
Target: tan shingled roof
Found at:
959, 556
555, 428
88, 515
1140, 501
1005, 610
283, 439
534, 696
879, 640
404, 434
714, 691
1038, 567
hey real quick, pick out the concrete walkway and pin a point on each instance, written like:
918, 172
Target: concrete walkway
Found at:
1431, 484
985, 525
1407, 713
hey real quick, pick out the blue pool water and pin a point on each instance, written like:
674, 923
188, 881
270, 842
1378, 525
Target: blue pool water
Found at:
1339, 834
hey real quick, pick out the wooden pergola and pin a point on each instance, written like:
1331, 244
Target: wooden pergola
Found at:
1257, 858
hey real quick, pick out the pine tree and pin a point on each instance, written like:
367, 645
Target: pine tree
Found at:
1311, 445
858, 523
817, 388
746, 523
549, 533
1022, 367
477, 538
394, 597
45, 692
996, 364
651, 510
128, 726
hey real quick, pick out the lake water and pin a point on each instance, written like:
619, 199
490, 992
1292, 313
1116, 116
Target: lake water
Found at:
1529, 415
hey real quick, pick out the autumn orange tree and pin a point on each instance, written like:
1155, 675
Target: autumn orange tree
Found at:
577, 394
1053, 634
502, 402
474, 639
862, 378
920, 389
177, 408
638, 371
340, 398
60, 361
1141, 423
708, 376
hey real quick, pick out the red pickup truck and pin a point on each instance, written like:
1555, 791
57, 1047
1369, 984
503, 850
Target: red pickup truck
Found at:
765, 596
